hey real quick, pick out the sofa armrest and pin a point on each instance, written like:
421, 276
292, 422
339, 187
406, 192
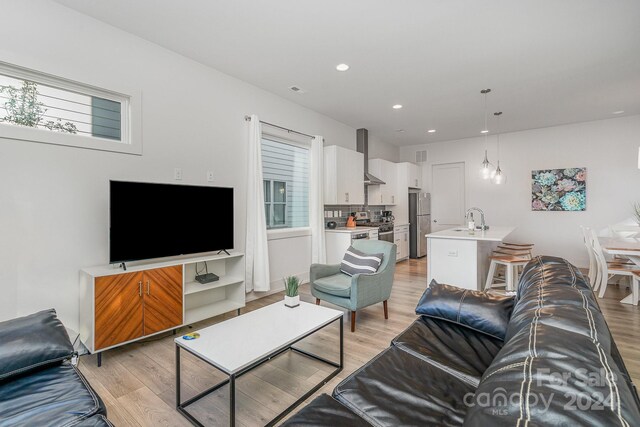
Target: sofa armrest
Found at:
318, 271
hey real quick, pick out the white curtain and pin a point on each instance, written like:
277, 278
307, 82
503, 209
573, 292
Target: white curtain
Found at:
256, 245
316, 201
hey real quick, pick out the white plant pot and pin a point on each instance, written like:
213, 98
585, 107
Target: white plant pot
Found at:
292, 301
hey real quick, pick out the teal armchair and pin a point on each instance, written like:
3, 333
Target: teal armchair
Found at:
360, 290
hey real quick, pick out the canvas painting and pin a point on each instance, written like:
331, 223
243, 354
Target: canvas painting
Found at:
559, 189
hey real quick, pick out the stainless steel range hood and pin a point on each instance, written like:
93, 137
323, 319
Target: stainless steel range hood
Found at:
362, 146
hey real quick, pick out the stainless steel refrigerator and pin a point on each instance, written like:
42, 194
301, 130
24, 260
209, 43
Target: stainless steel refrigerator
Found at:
419, 223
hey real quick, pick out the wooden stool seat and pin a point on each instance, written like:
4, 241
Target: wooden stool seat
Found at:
509, 259
621, 267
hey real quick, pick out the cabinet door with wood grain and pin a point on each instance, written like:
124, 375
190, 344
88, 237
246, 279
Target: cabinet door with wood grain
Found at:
118, 309
162, 299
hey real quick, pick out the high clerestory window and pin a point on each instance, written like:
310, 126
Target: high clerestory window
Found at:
43, 108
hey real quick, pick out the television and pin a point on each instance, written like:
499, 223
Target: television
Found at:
159, 220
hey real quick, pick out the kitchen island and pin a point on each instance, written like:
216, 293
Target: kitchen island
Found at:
458, 257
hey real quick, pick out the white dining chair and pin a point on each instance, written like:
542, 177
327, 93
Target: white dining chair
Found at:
635, 288
593, 267
607, 270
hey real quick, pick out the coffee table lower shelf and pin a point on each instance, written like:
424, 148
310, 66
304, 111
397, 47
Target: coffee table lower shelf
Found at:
182, 406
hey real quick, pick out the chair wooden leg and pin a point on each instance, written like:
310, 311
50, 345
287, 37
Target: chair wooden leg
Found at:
317, 301
353, 321
386, 310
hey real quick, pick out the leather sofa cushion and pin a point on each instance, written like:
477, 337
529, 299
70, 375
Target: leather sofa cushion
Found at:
559, 365
337, 284
33, 341
54, 396
399, 389
480, 311
324, 410
454, 348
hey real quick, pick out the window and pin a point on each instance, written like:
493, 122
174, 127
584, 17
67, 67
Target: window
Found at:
285, 170
275, 201
42, 108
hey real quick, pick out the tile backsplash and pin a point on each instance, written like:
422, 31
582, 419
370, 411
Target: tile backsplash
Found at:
339, 213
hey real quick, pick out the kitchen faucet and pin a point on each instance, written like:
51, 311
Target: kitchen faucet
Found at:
482, 226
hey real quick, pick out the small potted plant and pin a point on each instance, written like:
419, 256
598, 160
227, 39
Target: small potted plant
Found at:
291, 297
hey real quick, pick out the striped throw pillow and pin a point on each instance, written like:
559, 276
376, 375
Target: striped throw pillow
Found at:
357, 262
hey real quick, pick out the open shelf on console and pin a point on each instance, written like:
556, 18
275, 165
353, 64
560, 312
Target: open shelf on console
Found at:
195, 287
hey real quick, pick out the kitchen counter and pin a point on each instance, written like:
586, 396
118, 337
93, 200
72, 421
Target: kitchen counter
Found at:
350, 229
493, 234
457, 257
400, 224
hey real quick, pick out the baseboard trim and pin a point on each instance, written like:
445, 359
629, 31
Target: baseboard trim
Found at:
276, 286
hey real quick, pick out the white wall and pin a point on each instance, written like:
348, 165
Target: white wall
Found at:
607, 148
53, 199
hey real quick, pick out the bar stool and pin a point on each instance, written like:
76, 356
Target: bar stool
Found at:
511, 264
513, 257
521, 250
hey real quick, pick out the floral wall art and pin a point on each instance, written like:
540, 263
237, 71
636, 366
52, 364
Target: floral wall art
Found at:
559, 189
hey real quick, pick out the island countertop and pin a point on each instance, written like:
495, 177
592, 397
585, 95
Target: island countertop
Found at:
493, 234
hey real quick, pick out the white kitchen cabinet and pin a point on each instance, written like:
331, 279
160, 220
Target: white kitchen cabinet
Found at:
384, 194
343, 176
401, 238
409, 175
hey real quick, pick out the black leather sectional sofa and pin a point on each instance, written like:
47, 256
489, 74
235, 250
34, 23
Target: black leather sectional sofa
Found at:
39, 386
556, 364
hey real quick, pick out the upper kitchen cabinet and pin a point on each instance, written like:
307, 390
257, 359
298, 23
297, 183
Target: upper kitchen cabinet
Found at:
409, 175
384, 194
343, 176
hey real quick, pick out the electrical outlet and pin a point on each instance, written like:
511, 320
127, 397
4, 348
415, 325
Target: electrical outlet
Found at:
177, 174
209, 176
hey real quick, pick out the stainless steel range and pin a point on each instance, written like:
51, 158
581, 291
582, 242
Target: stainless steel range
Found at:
385, 228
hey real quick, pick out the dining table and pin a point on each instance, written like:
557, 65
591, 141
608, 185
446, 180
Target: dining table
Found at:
628, 247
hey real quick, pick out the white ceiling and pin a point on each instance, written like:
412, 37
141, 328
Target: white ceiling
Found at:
548, 62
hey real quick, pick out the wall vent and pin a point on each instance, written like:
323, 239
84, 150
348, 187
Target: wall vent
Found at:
421, 156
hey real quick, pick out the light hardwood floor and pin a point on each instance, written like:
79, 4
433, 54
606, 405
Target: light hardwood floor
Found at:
137, 381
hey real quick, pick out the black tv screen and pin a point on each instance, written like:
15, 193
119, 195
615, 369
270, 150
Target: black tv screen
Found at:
159, 220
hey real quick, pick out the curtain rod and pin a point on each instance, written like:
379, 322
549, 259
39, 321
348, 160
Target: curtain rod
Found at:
248, 118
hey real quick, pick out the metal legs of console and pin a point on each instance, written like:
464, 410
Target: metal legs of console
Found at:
182, 406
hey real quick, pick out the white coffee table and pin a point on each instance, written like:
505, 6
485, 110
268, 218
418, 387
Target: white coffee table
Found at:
238, 345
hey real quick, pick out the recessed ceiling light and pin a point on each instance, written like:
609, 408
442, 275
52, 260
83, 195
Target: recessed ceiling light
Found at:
618, 112
342, 67
484, 131
397, 106
431, 131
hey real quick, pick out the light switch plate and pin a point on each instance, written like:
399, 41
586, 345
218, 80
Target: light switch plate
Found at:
177, 174
209, 176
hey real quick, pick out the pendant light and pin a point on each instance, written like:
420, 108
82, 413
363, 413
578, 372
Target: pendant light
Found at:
486, 168
498, 176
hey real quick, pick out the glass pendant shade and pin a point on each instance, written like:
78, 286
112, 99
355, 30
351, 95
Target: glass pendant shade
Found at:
486, 169
498, 176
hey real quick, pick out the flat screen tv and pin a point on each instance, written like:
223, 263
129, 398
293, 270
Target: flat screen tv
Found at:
159, 220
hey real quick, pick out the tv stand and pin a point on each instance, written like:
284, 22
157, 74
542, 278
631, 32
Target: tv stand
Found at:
149, 298
225, 251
